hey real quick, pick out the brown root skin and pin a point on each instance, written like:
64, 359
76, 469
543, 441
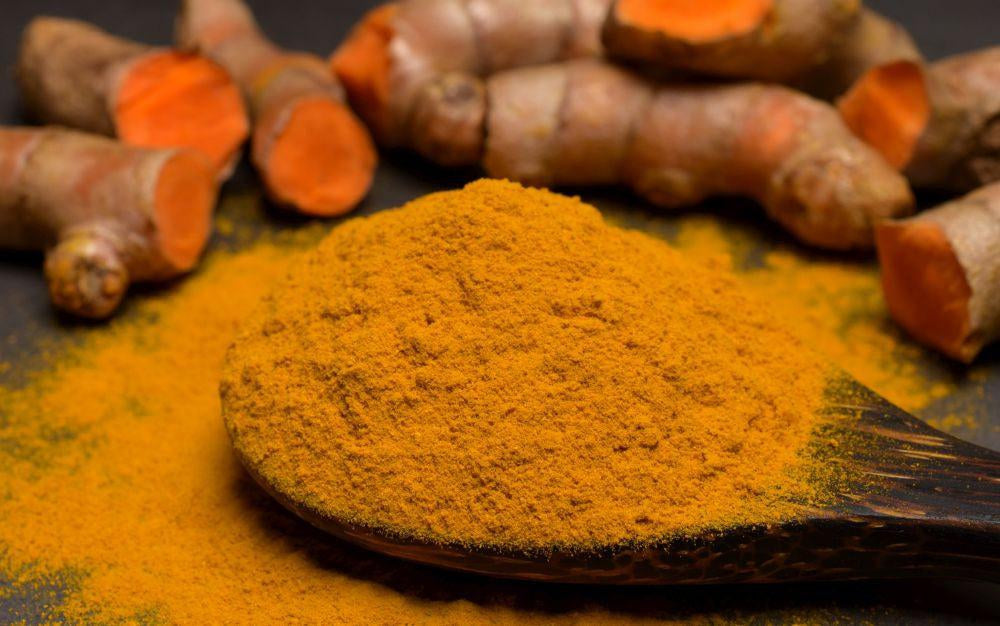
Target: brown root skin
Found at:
313, 155
588, 122
106, 214
774, 40
941, 273
872, 40
74, 74
940, 123
404, 59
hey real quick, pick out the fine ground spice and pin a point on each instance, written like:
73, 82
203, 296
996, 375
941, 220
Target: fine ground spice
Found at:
497, 365
120, 498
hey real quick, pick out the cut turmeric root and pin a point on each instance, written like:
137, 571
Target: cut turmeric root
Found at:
941, 273
106, 214
312, 153
871, 40
776, 40
940, 124
74, 74
406, 62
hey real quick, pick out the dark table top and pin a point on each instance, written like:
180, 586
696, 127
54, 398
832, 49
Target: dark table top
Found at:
941, 28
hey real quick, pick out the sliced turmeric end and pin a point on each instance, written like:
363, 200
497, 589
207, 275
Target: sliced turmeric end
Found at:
889, 108
362, 64
925, 285
322, 160
174, 99
695, 20
185, 196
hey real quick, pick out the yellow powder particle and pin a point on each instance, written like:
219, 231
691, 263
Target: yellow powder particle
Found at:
497, 365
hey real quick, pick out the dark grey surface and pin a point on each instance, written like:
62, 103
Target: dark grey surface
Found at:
26, 319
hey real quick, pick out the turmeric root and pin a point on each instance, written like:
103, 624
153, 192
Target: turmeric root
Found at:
407, 63
941, 273
107, 214
74, 74
587, 122
775, 40
940, 123
312, 153
870, 41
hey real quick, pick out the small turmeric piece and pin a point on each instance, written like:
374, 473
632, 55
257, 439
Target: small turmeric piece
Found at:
775, 40
497, 365
941, 273
106, 214
312, 153
74, 74
940, 124
405, 61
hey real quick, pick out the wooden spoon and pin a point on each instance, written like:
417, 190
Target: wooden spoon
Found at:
923, 504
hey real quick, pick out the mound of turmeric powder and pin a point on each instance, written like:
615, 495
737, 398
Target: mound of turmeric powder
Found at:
498, 366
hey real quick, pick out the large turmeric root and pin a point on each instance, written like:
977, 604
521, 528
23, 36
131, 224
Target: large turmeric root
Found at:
406, 62
940, 124
310, 150
941, 273
107, 214
74, 74
776, 40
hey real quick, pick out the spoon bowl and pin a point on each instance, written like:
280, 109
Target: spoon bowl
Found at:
921, 503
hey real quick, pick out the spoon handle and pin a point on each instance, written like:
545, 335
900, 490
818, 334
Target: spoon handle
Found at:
929, 500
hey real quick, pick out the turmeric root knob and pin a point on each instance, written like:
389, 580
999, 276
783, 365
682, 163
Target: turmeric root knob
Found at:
940, 124
108, 215
941, 273
412, 63
312, 153
588, 122
74, 74
774, 40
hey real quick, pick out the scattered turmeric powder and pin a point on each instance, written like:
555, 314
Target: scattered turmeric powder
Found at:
121, 501
497, 366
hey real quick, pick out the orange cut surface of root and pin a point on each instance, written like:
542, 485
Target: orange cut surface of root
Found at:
322, 160
362, 64
174, 99
185, 196
925, 285
889, 108
695, 20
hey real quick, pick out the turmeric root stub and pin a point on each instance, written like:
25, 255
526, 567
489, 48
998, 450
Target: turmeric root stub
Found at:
941, 273
498, 366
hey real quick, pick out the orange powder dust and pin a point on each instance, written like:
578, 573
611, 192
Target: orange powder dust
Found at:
496, 365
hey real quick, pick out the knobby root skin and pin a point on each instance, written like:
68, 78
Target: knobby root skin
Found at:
587, 122
941, 273
106, 214
74, 74
407, 64
939, 123
872, 40
313, 155
773, 40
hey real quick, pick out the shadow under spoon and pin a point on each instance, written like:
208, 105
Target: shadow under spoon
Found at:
921, 503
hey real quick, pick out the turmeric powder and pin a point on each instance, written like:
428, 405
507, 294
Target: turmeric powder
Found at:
498, 366
120, 499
